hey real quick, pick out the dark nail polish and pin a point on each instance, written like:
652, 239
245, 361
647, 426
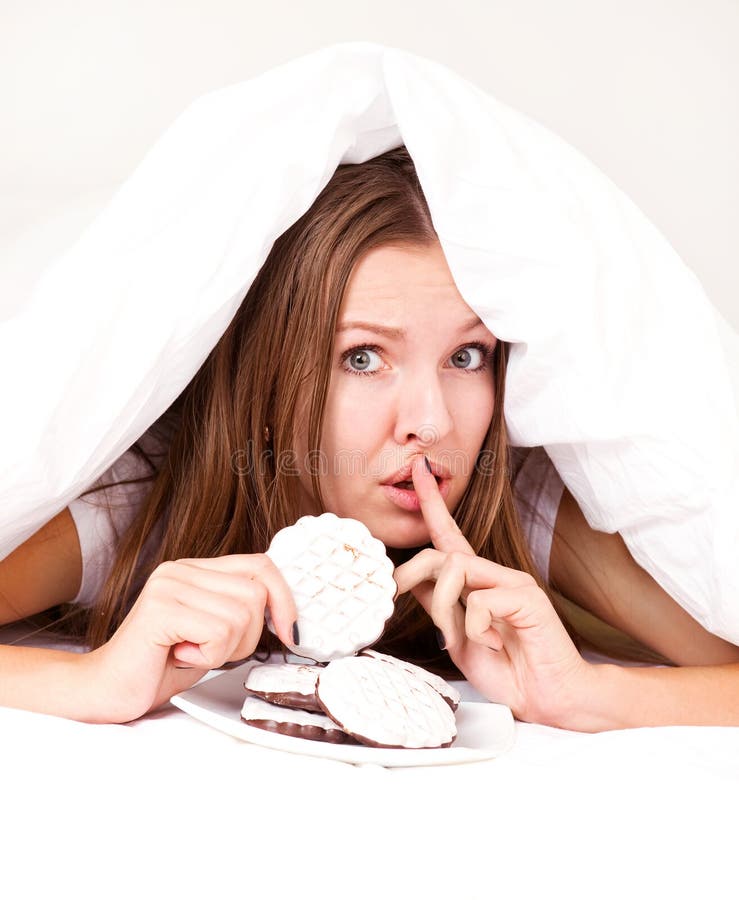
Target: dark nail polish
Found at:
296, 633
440, 639
428, 464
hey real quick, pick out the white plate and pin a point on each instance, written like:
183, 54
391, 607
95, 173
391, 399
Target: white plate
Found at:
484, 730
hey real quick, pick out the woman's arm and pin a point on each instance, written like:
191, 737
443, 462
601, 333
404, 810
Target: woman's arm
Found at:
603, 577
596, 571
191, 615
55, 682
615, 697
44, 571
41, 573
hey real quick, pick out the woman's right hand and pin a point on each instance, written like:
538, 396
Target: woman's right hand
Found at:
191, 616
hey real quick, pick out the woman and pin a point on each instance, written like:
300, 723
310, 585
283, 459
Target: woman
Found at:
355, 379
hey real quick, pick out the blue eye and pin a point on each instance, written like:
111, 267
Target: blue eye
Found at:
465, 357
359, 360
365, 359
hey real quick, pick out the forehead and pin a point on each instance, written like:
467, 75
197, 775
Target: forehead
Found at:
403, 278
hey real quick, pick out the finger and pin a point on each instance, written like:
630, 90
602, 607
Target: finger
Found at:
236, 622
443, 530
198, 637
190, 654
446, 610
259, 566
520, 607
237, 598
424, 566
478, 622
226, 584
479, 572
424, 593
251, 635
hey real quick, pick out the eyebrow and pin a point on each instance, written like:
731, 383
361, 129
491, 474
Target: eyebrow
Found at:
399, 332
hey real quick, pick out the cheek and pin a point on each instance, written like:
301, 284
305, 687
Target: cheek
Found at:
474, 406
349, 423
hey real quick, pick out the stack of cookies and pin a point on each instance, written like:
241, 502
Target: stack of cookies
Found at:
341, 579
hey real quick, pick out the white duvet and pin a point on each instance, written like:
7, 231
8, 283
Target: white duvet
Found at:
620, 364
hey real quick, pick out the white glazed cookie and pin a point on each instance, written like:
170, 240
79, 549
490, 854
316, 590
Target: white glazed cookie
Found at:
449, 693
285, 684
293, 722
385, 705
342, 582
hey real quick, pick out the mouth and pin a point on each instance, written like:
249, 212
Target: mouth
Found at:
403, 495
408, 485
403, 478
399, 489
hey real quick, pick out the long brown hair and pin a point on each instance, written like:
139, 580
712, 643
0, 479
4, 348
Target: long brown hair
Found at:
223, 488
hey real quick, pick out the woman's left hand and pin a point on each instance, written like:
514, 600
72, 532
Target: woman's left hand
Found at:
507, 638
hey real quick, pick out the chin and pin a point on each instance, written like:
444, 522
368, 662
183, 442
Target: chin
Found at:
400, 538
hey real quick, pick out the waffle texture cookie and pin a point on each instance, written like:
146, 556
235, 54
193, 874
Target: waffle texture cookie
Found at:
342, 581
449, 693
385, 705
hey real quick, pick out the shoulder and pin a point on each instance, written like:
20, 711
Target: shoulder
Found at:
103, 514
43, 572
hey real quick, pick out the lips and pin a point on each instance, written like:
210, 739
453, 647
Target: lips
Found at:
400, 491
403, 477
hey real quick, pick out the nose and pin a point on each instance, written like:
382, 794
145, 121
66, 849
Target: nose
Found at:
422, 411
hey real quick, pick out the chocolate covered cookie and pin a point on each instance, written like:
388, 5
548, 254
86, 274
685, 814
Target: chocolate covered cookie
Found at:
292, 722
385, 705
449, 693
285, 684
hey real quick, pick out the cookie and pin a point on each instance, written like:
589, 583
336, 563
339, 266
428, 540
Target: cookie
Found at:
284, 684
292, 722
342, 581
384, 705
449, 693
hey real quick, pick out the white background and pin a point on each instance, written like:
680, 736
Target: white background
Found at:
647, 89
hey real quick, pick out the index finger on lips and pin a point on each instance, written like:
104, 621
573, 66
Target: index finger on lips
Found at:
443, 530
260, 567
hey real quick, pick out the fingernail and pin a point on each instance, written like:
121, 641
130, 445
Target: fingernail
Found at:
296, 633
428, 466
440, 639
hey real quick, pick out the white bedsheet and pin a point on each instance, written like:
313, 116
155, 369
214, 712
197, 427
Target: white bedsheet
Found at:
168, 804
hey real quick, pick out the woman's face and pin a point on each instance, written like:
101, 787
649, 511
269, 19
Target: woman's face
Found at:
411, 374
